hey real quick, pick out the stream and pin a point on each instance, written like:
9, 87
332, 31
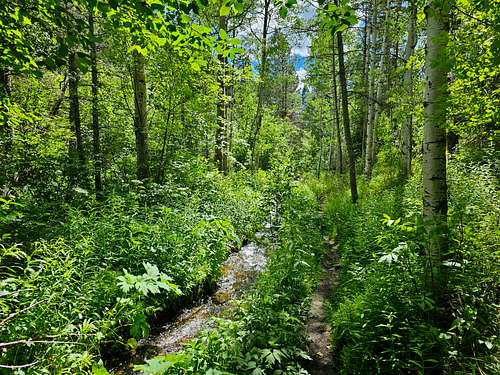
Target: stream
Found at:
238, 272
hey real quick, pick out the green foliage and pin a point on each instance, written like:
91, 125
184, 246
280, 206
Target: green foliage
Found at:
265, 334
67, 294
382, 320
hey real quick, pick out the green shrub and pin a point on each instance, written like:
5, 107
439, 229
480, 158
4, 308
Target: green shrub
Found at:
266, 333
382, 320
109, 266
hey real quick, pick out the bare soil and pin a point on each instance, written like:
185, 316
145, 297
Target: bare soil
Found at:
318, 328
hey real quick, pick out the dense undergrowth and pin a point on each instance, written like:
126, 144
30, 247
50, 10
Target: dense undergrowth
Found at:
98, 275
382, 320
265, 335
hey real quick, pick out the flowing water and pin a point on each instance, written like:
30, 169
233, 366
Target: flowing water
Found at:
238, 272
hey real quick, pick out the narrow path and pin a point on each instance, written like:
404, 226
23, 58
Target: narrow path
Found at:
318, 328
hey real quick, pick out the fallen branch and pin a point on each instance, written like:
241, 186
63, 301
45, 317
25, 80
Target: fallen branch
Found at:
12, 343
13, 367
20, 312
14, 292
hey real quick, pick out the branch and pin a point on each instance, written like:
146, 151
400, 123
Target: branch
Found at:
14, 292
13, 367
20, 312
12, 343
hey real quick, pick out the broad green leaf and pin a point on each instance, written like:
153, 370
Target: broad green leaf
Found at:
223, 34
224, 10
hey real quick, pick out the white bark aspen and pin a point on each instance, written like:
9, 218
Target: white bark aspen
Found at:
380, 83
435, 204
371, 93
407, 130
366, 66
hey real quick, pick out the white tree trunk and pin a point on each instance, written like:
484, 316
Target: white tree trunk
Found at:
380, 85
371, 92
407, 130
435, 204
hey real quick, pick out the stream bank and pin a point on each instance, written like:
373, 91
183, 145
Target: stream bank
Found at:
239, 271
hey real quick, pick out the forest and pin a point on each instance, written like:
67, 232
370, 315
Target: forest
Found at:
249, 187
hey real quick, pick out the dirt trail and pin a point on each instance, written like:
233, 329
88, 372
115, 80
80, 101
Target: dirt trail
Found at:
318, 328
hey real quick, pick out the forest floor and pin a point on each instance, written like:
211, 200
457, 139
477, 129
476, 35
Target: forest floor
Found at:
318, 328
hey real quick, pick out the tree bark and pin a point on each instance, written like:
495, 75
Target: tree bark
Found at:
380, 84
57, 104
96, 143
263, 77
75, 148
435, 203
406, 148
220, 130
140, 117
6, 82
365, 103
347, 128
340, 162
371, 93
320, 156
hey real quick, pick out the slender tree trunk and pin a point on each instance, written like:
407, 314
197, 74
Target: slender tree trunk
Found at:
231, 106
263, 77
5, 93
221, 107
347, 127
406, 148
371, 94
320, 156
330, 143
435, 204
6, 82
54, 111
335, 118
340, 163
140, 117
380, 84
95, 110
75, 148
365, 103
452, 142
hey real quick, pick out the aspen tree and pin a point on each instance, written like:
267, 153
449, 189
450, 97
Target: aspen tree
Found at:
406, 149
435, 203
371, 92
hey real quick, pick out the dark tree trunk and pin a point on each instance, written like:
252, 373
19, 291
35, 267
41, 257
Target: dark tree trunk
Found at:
263, 77
347, 128
340, 161
140, 118
54, 111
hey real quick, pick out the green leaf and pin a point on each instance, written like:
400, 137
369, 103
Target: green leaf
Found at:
159, 365
283, 12
99, 369
238, 6
235, 41
224, 10
223, 34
